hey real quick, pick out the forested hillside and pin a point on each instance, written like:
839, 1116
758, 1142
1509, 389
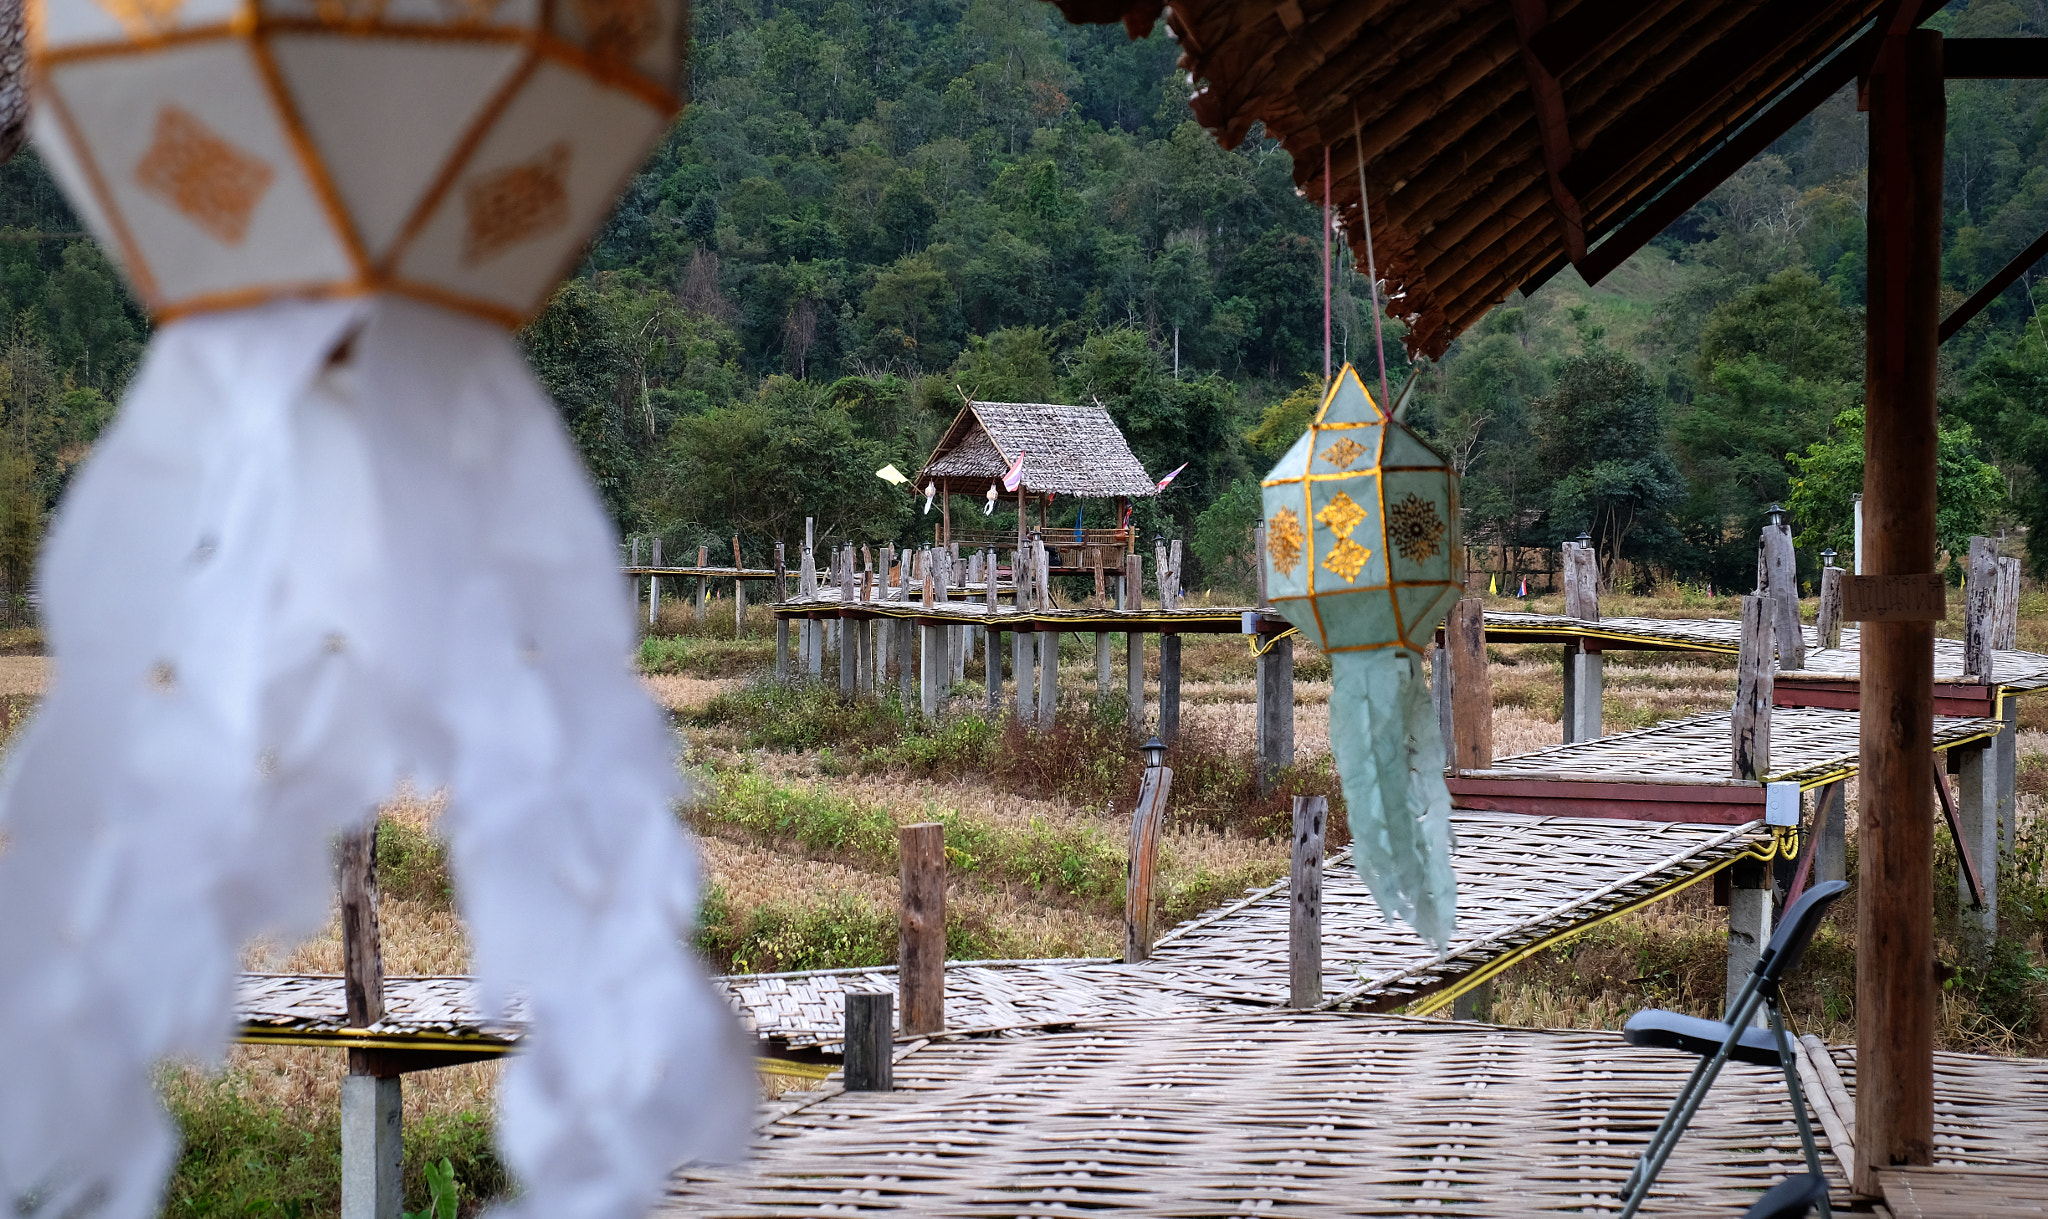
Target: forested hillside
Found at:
873, 207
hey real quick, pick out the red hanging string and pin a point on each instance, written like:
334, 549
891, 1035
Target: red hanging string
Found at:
1326, 264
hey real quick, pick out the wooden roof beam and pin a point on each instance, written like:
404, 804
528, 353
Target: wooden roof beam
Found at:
2006, 277
1994, 58
1589, 28
1552, 125
1651, 122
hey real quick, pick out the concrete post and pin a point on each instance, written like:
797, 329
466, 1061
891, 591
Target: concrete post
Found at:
1440, 691
1831, 847
1134, 684
372, 1147
1169, 688
937, 669
1977, 817
2005, 767
1583, 681
906, 661
849, 658
1275, 712
1102, 665
1048, 678
815, 662
1024, 672
1749, 923
1475, 1005
782, 650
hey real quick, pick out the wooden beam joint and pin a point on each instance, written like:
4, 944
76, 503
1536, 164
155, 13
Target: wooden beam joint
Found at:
1552, 124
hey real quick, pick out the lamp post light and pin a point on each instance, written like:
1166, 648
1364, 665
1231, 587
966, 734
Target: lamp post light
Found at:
1776, 513
1827, 557
1155, 752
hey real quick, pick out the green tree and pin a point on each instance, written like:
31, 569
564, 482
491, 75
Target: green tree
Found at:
1599, 437
1967, 489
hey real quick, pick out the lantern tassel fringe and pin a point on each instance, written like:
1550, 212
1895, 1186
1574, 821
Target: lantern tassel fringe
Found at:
1390, 755
330, 546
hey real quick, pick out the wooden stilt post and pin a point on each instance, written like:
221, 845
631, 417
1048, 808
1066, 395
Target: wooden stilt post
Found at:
1471, 687
1275, 711
1440, 691
372, 1143
1750, 728
1305, 910
921, 936
1777, 569
1142, 863
1169, 687
1831, 826
1827, 622
1134, 649
870, 1040
1895, 987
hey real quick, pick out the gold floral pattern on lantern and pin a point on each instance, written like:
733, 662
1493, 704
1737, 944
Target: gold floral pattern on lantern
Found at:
1341, 515
1415, 529
1345, 558
519, 203
1343, 453
210, 181
619, 29
1284, 540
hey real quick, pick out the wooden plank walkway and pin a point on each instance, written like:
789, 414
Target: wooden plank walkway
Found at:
1275, 1113
1523, 882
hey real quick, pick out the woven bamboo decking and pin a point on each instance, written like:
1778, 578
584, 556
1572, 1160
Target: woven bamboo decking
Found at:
1624, 634
1809, 745
419, 1013
1278, 1113
1522, 882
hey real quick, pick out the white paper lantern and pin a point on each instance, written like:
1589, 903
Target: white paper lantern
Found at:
460, 151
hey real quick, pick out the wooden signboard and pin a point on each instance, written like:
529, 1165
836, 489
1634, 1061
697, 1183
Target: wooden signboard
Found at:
1918, 597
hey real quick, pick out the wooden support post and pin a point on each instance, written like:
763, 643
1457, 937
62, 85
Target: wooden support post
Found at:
921, 936
1749, 923
1895, 984
870, 1041
849, 634
782, 650
1471, 687
372, 1144
1584, 681
1827, 624
1977, 836
1139, 868
1750, 730
1169, 688
1777, 570
1581, 582
1048, 679
1305, 905
1275, 712
1102, 666
1980, 605
2005, 617
1258, 562
1134, 649
2005, 768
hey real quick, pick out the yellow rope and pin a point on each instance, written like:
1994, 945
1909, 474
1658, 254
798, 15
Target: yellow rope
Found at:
1252, 641
1783, 841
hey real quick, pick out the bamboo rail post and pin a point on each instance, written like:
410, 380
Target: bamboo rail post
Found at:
1169, 687
921, 932
654, 586
1134, 648
1750, 728
1827, 622
703, 582
870, 1041
1777, 576
1471, 687
372, 1095
1142, 865
1305, 903
1895, 997
1275, 712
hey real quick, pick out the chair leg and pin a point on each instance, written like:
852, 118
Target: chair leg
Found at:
1791, 1067
1688, 1103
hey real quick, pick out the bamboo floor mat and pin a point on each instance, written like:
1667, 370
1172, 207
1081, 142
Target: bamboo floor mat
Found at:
313, 1003
1522, 881
1277, 1114
1811, 745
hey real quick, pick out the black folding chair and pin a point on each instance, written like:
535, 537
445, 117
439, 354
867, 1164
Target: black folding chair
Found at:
1717, 1041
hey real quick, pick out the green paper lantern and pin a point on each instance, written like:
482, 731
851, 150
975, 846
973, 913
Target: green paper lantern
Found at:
1362, 555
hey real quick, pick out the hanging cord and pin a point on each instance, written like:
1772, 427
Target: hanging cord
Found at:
1372, 272
1326, 264
1252, 641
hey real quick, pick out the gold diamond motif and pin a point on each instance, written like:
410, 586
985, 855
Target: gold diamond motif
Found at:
1343, 453
1346, 558
1414, 528
1341, 515
516, 204
1284, 541
213, 183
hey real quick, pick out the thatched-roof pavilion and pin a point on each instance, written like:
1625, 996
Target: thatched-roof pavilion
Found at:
1067, 450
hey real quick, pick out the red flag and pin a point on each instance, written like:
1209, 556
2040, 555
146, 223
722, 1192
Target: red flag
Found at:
1176, 474
1015, 474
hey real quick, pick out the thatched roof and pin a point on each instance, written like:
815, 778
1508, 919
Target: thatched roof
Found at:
1068, 450
1506, 139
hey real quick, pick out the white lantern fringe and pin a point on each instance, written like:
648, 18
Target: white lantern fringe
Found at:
326, 547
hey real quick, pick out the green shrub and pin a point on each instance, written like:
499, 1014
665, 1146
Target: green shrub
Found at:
805, 715
412, 865
243, 1158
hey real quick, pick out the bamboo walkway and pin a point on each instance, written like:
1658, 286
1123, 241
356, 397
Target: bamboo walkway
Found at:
1286, 1113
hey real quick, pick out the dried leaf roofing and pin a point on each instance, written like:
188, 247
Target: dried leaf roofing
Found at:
1068, 450
1505, 139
